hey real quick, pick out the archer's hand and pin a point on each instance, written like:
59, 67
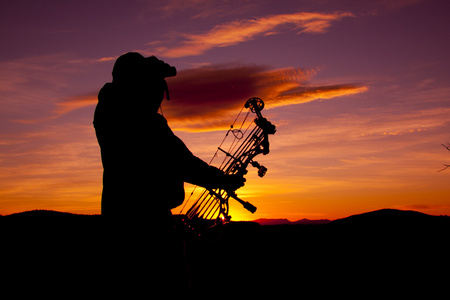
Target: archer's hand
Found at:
233, 182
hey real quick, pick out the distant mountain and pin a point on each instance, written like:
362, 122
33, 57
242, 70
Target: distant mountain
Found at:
287, 222
38, 213
391, 217
382, 217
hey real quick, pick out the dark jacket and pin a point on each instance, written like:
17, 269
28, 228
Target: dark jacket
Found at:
145, 165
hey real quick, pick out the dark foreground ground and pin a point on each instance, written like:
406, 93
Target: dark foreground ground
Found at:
388, 251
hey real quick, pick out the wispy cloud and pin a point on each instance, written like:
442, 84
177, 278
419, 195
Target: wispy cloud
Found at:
240, 31
206, 98
421, 207
72, 103
38, 88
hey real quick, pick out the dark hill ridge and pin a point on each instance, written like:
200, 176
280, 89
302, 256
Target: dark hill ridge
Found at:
42, 213
391, 217
387, 217
380, 217
384, 249
45, 213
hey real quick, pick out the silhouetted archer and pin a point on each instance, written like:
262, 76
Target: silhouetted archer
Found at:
145, 166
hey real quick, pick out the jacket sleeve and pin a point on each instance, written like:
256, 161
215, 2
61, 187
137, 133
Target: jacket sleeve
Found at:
196, 171
188, 167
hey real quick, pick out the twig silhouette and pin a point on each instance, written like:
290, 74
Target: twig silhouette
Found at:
445, 166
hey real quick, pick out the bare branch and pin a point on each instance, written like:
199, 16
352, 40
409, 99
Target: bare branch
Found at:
446, 166
448, 148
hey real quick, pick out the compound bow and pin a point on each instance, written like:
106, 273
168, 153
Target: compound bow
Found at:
212, 204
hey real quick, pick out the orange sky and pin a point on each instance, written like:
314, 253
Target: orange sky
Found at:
358, 91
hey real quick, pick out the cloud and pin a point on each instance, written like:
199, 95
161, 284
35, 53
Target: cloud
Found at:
36, 89
420, 207
307, 94
72, 103
207, 98
240, 31
105, 59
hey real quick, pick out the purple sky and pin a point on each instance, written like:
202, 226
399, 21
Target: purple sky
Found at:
358, 90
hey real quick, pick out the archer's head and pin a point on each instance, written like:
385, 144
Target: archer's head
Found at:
143, 77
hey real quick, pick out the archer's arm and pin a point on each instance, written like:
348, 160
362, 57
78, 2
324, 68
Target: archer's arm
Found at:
198, 172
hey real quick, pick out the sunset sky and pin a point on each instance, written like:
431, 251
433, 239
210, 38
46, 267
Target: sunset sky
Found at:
359, 91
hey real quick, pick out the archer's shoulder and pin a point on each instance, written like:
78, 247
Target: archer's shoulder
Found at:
106, 91
157, 118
